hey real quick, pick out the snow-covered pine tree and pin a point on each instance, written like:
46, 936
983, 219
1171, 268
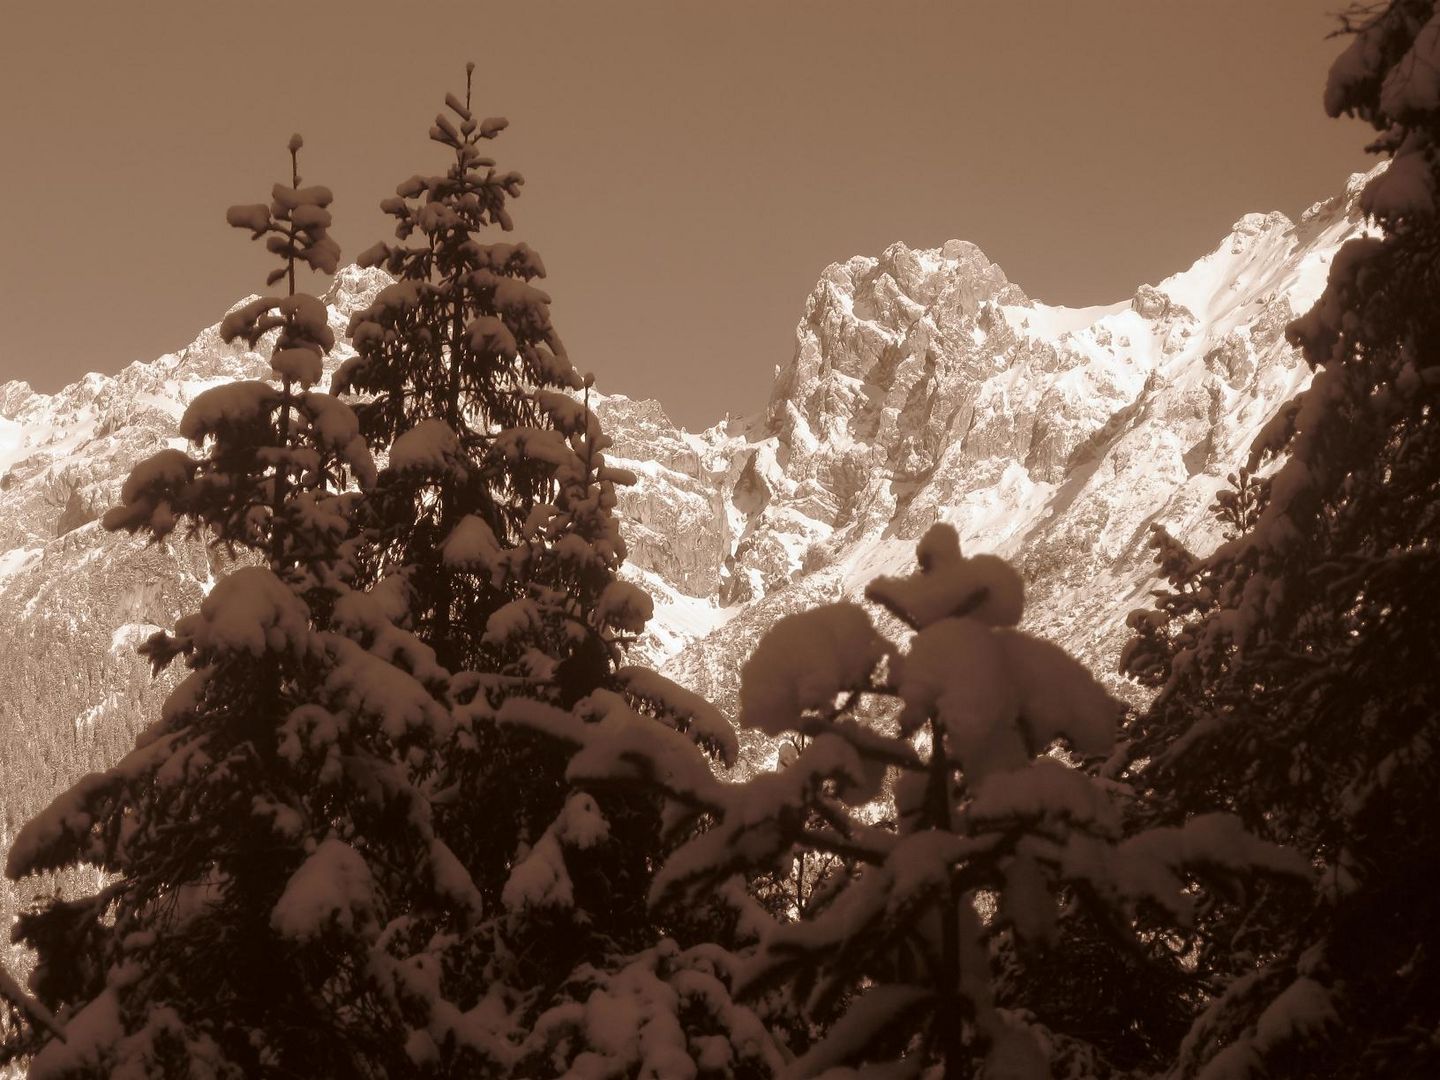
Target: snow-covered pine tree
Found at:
493, 517
898, 961
452, 353
1295, 663
264, 843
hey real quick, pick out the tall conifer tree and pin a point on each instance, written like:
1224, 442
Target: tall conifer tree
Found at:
1295, 664
263, 839
494, 517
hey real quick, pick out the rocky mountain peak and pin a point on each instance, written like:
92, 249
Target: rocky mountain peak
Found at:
13, 396
353, 289
926, 386
1252, 225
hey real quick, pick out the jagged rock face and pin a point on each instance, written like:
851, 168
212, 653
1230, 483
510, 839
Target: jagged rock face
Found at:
677, 496
923, 386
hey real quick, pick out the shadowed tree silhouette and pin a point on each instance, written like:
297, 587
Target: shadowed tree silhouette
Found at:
1297, 683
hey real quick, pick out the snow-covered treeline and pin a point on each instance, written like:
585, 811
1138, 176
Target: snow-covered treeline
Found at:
411, 810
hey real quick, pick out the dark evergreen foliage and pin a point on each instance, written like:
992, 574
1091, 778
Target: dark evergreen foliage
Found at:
259, 833
412, 814
1295, 664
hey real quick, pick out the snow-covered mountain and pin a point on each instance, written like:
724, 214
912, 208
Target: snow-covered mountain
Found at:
923, 385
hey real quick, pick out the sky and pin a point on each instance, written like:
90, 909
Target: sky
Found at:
691, 167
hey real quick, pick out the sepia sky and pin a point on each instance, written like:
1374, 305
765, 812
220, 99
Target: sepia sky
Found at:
691, 166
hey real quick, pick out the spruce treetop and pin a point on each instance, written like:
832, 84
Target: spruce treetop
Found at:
274, 459
462, 333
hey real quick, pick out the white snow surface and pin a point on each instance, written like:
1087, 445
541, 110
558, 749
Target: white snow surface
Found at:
805, 662
332, 888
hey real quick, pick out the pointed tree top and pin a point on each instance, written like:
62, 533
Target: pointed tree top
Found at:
294, 145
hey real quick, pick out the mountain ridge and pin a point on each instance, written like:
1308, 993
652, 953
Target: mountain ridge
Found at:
923, 386
926, 386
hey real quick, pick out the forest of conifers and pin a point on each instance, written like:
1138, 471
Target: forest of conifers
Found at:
411, 811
